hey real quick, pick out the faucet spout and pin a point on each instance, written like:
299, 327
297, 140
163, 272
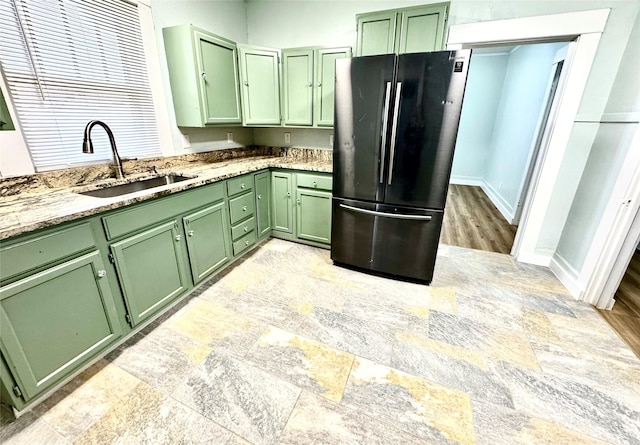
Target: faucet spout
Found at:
87, 145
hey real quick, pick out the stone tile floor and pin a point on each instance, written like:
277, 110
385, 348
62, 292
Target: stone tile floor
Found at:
287, 348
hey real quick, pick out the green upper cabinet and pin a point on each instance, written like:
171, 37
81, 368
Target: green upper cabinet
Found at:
325, 62
401, 31
376, 33
260, 89
203, 73
55, 321
308, 85
297, 67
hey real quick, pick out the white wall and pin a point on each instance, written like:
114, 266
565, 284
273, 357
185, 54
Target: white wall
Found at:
481, 100
521, 101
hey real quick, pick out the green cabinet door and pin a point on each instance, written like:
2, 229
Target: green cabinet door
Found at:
422, 29
207, 240
325, 83
218, 79
297, 67
151, 269
260, 89
282, 208
263, 202
376, 33
313, 215
53, 322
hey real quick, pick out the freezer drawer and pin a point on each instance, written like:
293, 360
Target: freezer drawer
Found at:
390, 240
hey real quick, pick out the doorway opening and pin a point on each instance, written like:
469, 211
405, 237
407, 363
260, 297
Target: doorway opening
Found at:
508, 101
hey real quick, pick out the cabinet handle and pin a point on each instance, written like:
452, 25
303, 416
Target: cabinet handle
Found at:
319, 84
259, 196
309, 84
190, 232
289, 194
242, 185
204, 75
102, 273
298, 200
246, 84
315, 184
244, 208
246, 229
246, 243
178, 237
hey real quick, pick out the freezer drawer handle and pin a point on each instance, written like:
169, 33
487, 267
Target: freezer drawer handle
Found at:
394, 129
385, 121
387, 215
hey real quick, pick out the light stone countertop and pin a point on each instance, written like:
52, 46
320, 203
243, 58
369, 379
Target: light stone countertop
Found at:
30, 210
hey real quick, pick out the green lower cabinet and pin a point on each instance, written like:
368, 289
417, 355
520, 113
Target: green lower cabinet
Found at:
262, 186
53, 322
313, 215
151, 269
281, 202
207, 240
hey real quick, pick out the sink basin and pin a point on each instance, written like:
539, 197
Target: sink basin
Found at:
132, 187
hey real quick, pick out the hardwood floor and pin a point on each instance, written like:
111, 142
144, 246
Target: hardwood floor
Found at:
471, 220
624, 318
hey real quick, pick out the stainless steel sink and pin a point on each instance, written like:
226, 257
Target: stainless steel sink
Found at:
132, 187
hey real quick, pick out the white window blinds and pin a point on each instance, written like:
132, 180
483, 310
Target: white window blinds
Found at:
68, 62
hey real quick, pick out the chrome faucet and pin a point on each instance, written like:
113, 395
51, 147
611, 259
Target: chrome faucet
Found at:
87, 146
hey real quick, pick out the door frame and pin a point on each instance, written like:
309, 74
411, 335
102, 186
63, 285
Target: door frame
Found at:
584, 29
617, 235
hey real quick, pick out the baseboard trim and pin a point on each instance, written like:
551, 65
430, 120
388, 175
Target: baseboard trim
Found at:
497, 201
466, 180
535, 259
567, 275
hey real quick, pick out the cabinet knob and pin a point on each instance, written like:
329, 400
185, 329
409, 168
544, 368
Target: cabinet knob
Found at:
309, 84
203, 74
259, 196
244, 208
178, 237
246, 229
289, 194
319, 84
246, 243
315, 184
190, 232
102, 273
298, 200
246, 84
242, 185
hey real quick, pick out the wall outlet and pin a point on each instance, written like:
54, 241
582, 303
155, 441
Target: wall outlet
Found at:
331, 140
287, 138
186, 141
229, 137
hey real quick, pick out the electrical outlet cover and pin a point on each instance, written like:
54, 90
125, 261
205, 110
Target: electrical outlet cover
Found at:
287, 138
229, 137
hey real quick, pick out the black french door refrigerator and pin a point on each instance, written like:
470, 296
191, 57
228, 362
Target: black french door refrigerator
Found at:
395, 127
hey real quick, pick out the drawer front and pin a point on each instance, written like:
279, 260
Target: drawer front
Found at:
320, 182
241, 207
37, 252
244, 243
240, 184
147, 214
243, 228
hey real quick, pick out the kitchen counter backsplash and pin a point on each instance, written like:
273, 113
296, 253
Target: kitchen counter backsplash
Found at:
78, 176
28, 203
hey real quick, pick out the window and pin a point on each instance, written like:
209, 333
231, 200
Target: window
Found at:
67, 62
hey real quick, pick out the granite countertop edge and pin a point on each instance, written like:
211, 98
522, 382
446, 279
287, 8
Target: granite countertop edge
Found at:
29, 212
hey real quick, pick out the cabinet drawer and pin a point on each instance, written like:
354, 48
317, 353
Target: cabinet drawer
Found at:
241, 207
244, 243
147, 214
243, 228
239, 185
319, 182
37, 252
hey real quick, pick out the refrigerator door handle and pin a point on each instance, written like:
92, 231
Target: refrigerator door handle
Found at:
385, 122
394, 129
387, 215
